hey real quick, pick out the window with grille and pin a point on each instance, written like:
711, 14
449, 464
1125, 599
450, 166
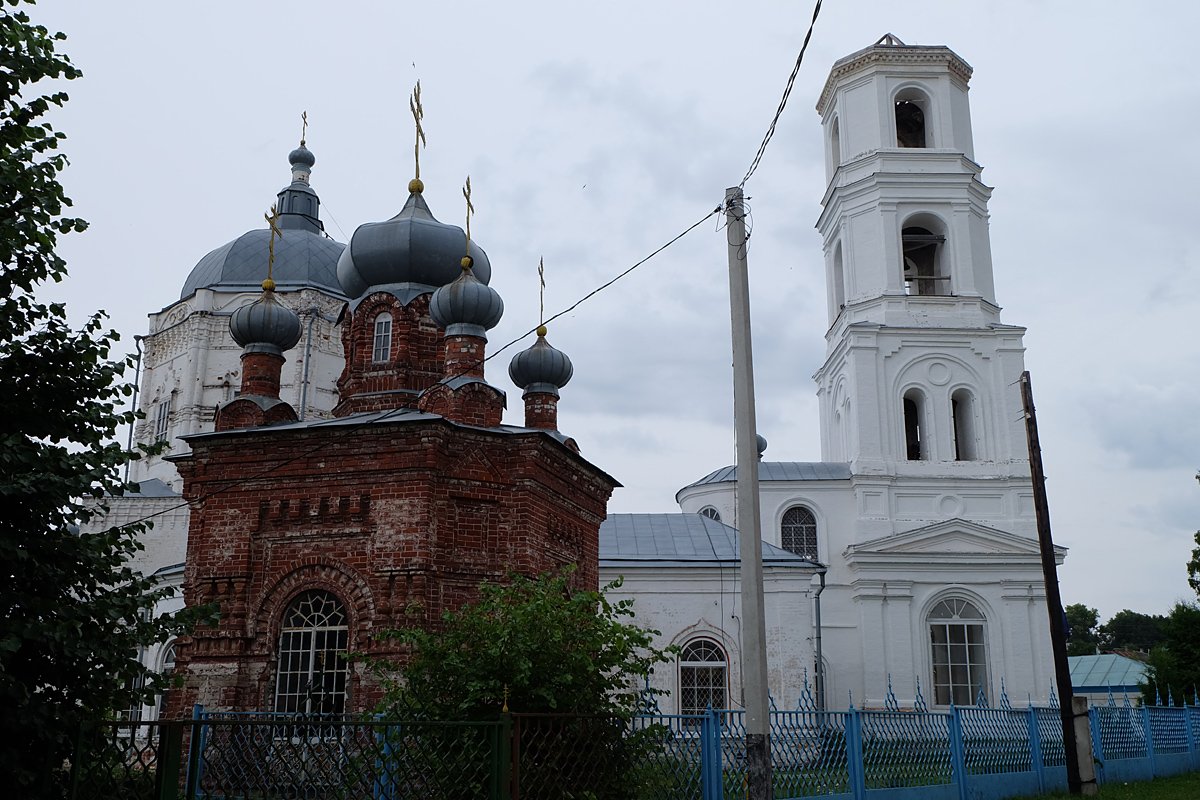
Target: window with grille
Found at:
312, 668
383, 338
711, 513
703, 677
798, 533
956, 635
162, 418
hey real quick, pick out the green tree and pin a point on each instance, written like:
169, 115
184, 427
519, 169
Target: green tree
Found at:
1129, 630
1174, 665
1193, 566
538, 644
72, 614
1082, 637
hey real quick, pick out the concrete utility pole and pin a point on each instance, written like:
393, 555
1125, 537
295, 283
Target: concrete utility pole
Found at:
754, 634
1081, 776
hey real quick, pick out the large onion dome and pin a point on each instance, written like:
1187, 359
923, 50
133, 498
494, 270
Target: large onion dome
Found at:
541, 368
466, 307
409, 254
304, 255
266, 325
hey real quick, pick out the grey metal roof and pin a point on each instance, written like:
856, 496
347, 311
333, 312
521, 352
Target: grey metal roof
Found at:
783, 471
155, 488
679, 540
1104, 672
302, 259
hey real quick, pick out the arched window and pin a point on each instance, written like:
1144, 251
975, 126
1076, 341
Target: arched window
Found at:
382, 348
798, 532
162, 418
916, 448
839, 281
312, 667
835, 143
703, 677
956, 636
962, 411
912, 110
923, 272
167, 669
711, 513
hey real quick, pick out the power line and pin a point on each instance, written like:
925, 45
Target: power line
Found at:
235, 482
787, 91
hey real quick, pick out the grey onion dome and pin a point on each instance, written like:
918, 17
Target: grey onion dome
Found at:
265, 326
760, 442
410, 251
466, 307
541, 368
304, 256
302, 156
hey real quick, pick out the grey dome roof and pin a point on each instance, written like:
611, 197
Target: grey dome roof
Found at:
265, 326
304, 256
541, 368
466, 307
410, 248
302, 259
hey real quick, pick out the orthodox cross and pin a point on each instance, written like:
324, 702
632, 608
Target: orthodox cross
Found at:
541, 291
470, 211
272, 220
418, 112
303, 127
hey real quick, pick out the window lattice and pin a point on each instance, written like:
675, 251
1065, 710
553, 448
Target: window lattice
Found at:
798, 533
703, 677
168, 669
312, 668
956, 633
162, 418
711, 513
383, 338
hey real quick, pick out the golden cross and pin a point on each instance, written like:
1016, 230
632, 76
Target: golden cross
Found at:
541, 290
303, 127
418, 112
272, 219
470, 211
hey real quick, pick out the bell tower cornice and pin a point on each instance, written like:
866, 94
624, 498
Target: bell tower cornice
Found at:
901, 56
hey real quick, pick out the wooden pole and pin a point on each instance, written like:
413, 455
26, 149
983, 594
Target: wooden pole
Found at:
1058, 620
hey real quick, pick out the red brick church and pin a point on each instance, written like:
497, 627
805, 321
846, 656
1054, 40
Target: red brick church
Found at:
313, 536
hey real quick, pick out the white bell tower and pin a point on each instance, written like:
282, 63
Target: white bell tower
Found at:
919, 386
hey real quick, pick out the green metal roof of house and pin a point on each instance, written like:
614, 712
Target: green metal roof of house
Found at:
1105, 672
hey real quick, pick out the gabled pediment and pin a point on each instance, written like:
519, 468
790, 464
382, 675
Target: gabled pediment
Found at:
952, 542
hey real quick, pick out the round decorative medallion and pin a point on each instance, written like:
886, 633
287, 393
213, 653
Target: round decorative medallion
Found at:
950, 506
939, 373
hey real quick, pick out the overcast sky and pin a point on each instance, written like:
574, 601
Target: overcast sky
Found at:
595, 132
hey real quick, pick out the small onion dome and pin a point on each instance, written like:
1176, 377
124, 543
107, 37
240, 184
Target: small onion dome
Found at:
541, 368
761, 442
466, 307
266, 325
302, 157
410, 248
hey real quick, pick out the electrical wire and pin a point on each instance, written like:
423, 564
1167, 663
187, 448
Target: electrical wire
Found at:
241, 481
787, 91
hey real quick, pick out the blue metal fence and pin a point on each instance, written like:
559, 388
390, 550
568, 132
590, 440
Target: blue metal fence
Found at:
967, 752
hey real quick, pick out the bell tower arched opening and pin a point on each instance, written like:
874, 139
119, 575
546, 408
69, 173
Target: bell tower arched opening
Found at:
912, 114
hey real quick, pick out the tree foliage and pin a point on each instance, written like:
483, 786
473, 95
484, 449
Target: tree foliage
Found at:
1174, 665
1130, 630
1193, 566
72, 614
538, 644
1082, 636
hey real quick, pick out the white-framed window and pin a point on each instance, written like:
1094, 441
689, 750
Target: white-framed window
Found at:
166, 669
162, 418
957, 638
311, 666
798, 532
703, 677
382, 348
711, 513
962, 412
916, 444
